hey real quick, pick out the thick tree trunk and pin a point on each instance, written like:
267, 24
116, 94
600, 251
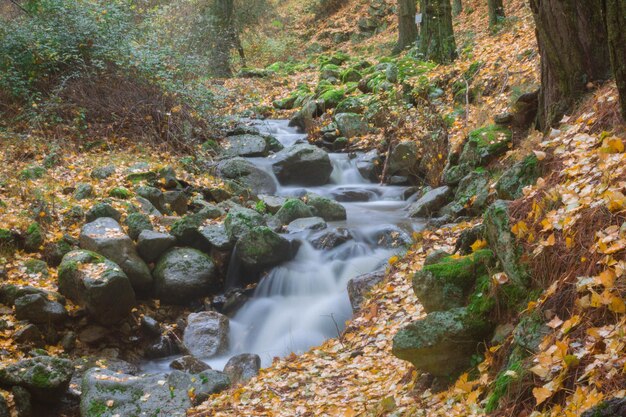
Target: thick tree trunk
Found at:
457, 7
407, 28
496, 12
616, 28
223, 42
573, 47
437, 35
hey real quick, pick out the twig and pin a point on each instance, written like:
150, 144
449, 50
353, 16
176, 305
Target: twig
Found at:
339, 335
19, 6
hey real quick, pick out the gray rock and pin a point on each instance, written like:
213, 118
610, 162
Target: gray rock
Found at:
431, 202
187, 230
23, 402
99, 285
261, 247
106, 237
46, 378
217, 237
29, 335
148, 395
154, 196
137, 223
303, 119
240, 220
242, 368
615, 407
151, 245
163, 347
83, 191
292, 209
4, 407
189, 364
307, 223
102, 210
325, 208
351, 125
272, 203
360, 286
247, 174
302, 164
93, 334
403, 159
245, 145
183, 275
331, 239
473, 192
146, 207
177, 201
392, 237
520, 175
369, 165
104, 172
38, 309
206, 334
151, 326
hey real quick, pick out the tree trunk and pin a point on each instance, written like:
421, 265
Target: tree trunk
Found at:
223, 42
573, 47
437, 34
616, 28
496, 12
407, 28
457, 7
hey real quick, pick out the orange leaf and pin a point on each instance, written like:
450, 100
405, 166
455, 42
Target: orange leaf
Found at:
541, 394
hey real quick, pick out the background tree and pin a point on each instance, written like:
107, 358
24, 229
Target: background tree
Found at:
496, 12
437, 41
407, 28
574, 52
457, 7
615, 23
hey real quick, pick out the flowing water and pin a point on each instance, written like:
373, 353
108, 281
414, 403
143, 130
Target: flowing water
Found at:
303, 302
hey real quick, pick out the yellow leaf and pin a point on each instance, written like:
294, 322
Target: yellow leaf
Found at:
607, 278
541, 394
478, 245
349, 412
393, 260
614, 145
617, 305
519, 229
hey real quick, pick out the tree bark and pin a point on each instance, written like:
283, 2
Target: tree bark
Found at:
496, 12
574, 51
615, 14
437, 35
407, 28
457, 7
223, 42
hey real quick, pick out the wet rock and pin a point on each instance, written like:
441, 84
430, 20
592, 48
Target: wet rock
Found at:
369, 165
99, 285
303, 119
189, 364
151, 245
325, 208
148, 395
247, 174
106, 237
242, 368
163, 347
29, 335
150, 326
360, 286
46, 378
261, 247
307, 223
93, 334
392, 237
292, 209
351, 125
520, 175
38, 309
431, 202
240, 220
403, 159
217, 237
245, 145
348, 195
183, 275
137, 223
331, 239
272, 203
187, 230
443, 343
302, 164
206, 334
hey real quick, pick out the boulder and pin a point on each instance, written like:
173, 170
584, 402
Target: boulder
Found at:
183, 275
206, 334
261, 247
246, 145
307, 223
431, 202
369, 165
242, 368
392, 237
106, 237
447, 284
325, 208
38, 309
520, 175
272, 203
292, 209
240, 220
99, 285
176, 201
303, 119
154, 196
302, 164
247, 174
473, 192
107, 394
187, 230
136, 223
403, 159
151, 245
163, 347
442, 343
351, 125
217, 237
484, 145
83, 191
331, 239
102, 173
46, 378
360, 286
189, 364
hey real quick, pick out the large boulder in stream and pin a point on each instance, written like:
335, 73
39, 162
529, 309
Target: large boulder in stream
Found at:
247, 174
302, 164
327, 209
107, 394
183, 275
206, 334
293, 209
431, 202
99, 285
246, 145
442, 343
106, 237
261, 247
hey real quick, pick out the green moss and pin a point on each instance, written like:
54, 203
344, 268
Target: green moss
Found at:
120, 192
32, 173
457, 270
97, 408
34, 237
491, 137
514, 373
351, 75
480, 301
332, 97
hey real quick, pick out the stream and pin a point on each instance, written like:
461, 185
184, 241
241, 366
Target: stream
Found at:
303, 302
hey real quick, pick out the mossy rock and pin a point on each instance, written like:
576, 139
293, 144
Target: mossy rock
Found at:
292, 209
351, 75
120, 192
241, 220
102, 210
356, 104
46, 378
260, 247
83, 191
327, 209
448, 283
138, 177
34, 238
136, 223
485, 144
473, 191
36, 267
332, 97
520, 175
186, 230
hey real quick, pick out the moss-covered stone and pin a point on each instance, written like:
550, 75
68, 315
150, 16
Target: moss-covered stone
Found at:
292, 209
240, 220
485, 144
520, 175
332, 97
327, 209
34, 238
351, 75
102, 210
260, 247
136, 223
120, 192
